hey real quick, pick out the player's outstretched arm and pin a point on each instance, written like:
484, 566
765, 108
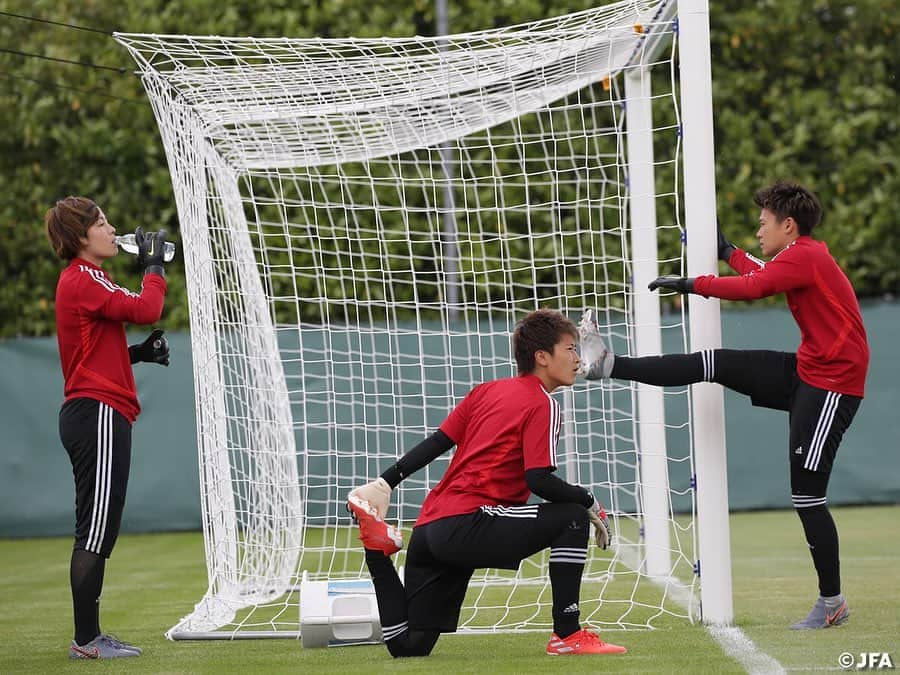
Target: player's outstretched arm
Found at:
686, 284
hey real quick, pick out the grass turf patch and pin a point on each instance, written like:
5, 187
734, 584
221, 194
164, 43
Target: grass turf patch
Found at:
152, 580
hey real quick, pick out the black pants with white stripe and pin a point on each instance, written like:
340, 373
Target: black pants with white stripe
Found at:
444, 553
818, 419
98, 440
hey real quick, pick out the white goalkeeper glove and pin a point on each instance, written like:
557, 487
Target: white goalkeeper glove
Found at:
596, 358
602, 533
377, 493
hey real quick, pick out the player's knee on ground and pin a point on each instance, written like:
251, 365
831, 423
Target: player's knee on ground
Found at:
412, 643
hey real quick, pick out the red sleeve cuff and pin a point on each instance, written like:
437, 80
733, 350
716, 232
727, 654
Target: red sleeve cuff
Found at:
702, 284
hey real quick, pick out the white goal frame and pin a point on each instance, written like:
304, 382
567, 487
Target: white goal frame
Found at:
270, 414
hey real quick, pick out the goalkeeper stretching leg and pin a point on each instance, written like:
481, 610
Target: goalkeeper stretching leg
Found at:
765, 376
818, 420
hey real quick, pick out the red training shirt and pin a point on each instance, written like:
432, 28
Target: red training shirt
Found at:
90, 311
834, 351
501, 429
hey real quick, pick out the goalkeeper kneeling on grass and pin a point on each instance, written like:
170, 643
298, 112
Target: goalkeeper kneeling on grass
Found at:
477, 516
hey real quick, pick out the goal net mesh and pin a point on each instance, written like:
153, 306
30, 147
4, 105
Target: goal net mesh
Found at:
363, 223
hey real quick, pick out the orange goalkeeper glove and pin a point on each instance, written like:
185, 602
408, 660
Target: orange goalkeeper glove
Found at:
377, 493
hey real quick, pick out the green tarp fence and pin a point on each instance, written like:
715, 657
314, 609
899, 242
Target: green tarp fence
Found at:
37, 494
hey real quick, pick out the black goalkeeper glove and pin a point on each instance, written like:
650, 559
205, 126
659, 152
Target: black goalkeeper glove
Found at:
151, 248
726, 248
673, 283
155, 349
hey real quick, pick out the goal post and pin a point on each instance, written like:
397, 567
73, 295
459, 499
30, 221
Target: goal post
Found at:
364, 221
647, 335
705, 324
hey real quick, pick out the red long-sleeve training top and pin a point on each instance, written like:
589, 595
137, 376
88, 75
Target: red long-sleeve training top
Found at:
834, 351
90, 315
501, 430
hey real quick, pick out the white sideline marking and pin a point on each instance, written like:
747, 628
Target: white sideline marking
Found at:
733, 641
738, 646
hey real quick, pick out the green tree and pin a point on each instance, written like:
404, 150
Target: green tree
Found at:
808, 91
802, 90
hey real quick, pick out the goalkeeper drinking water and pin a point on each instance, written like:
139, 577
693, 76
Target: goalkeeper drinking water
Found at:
505, 433
100, 398
820, 386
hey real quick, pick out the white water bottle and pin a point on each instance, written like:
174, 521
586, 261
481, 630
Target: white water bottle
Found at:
127, 243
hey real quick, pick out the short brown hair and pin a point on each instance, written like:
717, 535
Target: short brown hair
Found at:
786, 199
67, 224
539, 331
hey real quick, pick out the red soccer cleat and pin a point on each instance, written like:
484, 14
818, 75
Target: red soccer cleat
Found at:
374, 533
581, 642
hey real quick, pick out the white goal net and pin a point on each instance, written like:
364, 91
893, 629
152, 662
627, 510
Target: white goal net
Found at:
364, 221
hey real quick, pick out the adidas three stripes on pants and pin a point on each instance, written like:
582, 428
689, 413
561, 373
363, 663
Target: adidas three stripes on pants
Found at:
98, 441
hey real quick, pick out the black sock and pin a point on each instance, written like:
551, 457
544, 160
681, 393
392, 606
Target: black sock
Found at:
389, 591
391, 597
565, 579
822, 537
86, 578
663, 371
568, 554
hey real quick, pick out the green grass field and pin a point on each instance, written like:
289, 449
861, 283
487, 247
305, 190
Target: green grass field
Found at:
153, 580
